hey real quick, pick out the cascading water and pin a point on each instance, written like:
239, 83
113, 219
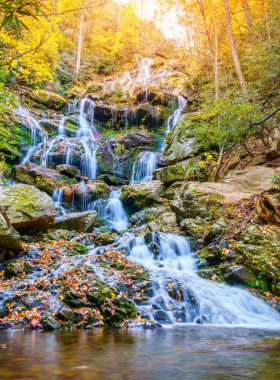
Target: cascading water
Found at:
58, 198
180, 295
144, 166
111, 210
115, 213
144, 66
174, 118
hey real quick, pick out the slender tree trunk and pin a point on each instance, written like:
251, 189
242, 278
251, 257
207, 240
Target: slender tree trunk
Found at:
80, 42
267, 22
247, 10
44, 158
3, 212
216, 55
202, 11
234, 50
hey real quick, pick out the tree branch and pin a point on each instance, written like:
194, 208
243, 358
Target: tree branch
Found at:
267, 117
3, 212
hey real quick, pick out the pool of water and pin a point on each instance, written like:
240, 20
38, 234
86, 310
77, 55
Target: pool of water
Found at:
183, 352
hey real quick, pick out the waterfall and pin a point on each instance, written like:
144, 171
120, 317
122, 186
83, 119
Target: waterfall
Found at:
115, 213
144, 66
111, 210
68, 153
144, 166
57, 198
61, 126
172, 265
174, 118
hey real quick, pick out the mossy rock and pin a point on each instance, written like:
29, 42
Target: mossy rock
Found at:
105, 239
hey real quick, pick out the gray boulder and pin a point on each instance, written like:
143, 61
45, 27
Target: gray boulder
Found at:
9, 237
28, 209
79, 222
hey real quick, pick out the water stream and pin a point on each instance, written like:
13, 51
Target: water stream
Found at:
144, 165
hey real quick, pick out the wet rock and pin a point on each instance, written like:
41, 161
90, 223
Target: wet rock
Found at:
157, 219
171, 191
194, 199
113, 181
162, 317
9, 237
173, 173
116, 155
66, 314
51, 324
48, 99
7, 326
142, 194
79, 222
149, 116
28, 209
43, 178
242, 275
214, 231
105, 239
181, 142
69, 171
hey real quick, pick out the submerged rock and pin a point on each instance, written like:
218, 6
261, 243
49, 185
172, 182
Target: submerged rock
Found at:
28, 209
79, 222
43, 178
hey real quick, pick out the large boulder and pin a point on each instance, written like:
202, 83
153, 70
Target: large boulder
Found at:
79, 222
69, 171
139, 195
181, 142
173, 173
28, 209
48, 99
195, 198
9, 237
157, 219
43, 178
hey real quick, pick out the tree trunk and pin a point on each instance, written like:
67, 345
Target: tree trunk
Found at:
234, 50
274, 145
247, 10
80, 41
216, 55
202, 11
267, 22
44, 158
3, 212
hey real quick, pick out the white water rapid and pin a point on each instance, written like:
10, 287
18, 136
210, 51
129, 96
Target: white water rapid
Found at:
181, 296
144, 166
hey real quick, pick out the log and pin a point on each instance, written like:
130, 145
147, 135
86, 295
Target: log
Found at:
266, 210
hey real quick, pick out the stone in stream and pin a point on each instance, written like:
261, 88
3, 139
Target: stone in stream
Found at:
69, 171
79, 221
105, 239
43, 178
9, 237
28, 209
157, 219
139, 195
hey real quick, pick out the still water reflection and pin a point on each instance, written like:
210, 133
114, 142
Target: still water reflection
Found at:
192, 352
